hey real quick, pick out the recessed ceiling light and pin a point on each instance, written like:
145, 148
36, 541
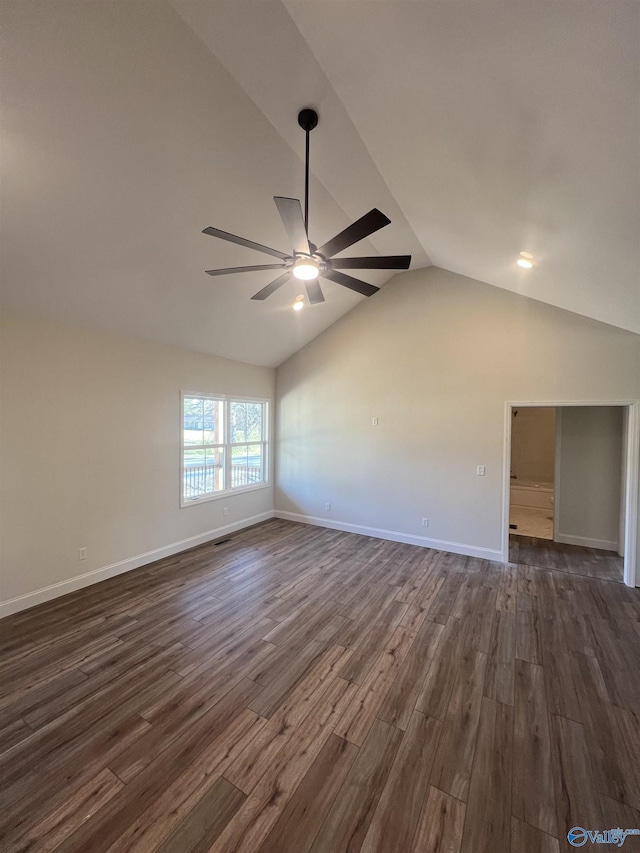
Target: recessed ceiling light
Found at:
527, 255
525, 263
298, 305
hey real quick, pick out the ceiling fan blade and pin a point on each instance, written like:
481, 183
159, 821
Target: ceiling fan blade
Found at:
291, 214
233, 238
314, 292
362, 287
358, 230
272, 286
385, 262
246, 269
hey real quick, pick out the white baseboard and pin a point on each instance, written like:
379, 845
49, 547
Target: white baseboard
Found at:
602, 544
394, 536
47, 593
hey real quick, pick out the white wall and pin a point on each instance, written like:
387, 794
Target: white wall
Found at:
589, 468
533, 441
434, 356
90, 453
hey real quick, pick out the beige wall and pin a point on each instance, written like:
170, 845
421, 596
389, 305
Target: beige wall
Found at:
89, 426
589, 474
89, 440
434, 356
533, 441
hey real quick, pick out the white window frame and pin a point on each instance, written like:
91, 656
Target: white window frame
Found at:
227, 445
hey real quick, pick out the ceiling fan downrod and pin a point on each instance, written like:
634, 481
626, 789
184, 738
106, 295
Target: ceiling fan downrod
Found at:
307, 119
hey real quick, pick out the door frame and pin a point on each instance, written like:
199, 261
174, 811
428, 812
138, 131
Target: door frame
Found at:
557, 454
631, 453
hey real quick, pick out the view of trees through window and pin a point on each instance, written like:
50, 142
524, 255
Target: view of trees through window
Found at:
224, 445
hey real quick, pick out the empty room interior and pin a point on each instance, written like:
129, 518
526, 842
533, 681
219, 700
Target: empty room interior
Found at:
319, 426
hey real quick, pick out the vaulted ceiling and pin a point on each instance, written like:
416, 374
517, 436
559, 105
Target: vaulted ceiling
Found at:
480, 129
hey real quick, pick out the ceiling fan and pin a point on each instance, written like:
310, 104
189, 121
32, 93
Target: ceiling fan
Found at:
306, 261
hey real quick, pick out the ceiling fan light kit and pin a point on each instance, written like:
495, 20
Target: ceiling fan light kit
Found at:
305, 268
307, 262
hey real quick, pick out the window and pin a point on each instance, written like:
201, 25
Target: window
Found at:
224, 446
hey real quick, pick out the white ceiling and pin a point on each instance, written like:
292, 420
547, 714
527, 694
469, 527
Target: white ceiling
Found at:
480, 129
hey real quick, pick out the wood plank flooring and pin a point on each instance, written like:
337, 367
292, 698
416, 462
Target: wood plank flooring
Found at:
546, 554
300, 690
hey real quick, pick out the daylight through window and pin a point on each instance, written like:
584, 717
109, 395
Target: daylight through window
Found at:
224, 446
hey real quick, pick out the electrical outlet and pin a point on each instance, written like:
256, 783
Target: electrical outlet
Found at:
374, 422
327, 507
82, 553
480, 470
225, 510
424, 522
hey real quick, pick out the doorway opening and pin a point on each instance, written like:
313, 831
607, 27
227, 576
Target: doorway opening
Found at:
570, 499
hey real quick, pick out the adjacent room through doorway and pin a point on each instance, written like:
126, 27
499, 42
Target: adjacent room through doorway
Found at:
533, 447
566, 496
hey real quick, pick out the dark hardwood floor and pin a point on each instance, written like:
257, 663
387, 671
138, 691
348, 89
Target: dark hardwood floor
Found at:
547, 554
301, 690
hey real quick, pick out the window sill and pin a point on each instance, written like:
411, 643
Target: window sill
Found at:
227, 493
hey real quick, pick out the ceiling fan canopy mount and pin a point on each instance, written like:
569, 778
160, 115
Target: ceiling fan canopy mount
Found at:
307, 262
308, 119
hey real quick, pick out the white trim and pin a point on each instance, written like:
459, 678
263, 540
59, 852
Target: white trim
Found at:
631, 496
506, 481
632, 474
393, 536
623, 481
585, 542
225, 493
47, 593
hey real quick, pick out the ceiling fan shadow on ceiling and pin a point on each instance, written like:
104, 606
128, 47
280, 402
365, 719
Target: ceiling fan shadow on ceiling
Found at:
308, 262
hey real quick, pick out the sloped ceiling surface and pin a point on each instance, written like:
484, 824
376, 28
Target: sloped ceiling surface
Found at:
480, 129
501, 127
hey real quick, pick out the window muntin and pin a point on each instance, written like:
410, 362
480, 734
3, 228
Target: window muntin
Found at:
224, 446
